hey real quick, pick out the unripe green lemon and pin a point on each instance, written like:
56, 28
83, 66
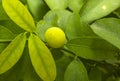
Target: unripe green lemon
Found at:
55, 37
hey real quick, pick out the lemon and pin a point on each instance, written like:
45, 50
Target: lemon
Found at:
55, 37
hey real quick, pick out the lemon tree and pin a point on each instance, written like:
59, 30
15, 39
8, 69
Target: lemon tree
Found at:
83, 39
55, 37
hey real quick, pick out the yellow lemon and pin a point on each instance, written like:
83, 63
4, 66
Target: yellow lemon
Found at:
55, 37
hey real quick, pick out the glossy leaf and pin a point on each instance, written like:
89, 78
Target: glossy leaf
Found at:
26, 69
5, 34
76, 71
75, 5
53, 18
108, 29
41, 58
38, 8
22, 70
57, 18
19, 14
57, 4
42, 26
12, 53
94, 49
75, 28
95, 9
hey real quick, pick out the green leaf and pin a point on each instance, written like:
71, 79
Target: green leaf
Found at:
24, 1
108, 29
53, 18
95, 74
3, 45
5, 34
41, 58
19, 14
95, 9
57, 4
58, 18
75, 5
117, 12
75, 28
76, 71
62, 64
42, 26
38, 8
94, 49
3, 15
26, 69
9, 24
12, 53
57, 53
22, 70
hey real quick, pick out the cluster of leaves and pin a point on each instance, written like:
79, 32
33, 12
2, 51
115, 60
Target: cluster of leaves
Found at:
90, 54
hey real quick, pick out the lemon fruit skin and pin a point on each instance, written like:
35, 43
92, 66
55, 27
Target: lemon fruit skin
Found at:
55, 37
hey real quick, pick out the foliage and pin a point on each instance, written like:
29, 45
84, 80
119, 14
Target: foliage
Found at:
91, 52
